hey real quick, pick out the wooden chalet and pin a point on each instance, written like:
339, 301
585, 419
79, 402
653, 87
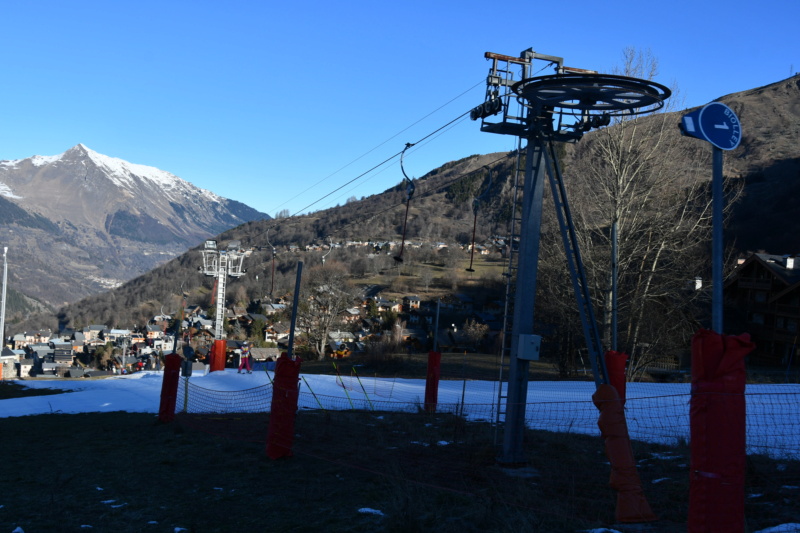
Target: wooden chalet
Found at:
762, 298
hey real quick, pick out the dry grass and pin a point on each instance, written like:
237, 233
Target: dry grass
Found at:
424, 472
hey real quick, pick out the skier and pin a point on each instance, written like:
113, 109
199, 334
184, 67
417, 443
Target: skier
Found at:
244, 359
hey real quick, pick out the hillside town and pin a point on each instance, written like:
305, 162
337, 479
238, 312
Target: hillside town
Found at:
98, 350
763, 294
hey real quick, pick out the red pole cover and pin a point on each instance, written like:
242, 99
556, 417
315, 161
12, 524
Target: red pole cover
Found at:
717, 427
169, 387
285, 394
218, 355
615, 365
632, 506
432, 381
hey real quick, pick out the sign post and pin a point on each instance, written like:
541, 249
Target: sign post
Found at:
719, 125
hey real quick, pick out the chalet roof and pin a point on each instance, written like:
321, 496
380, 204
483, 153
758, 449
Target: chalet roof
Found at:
341, 336
776, 265
280, 327
261, 354
417, 333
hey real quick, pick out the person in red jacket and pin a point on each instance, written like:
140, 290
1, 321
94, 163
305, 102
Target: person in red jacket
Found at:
244, 359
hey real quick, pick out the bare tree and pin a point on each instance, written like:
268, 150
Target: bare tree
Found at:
639, 179
475, 332
326, 294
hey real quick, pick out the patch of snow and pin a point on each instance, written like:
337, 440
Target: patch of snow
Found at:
659, 480
783, 528
42, 160
6, 191
367, 510
665, 456
125, 174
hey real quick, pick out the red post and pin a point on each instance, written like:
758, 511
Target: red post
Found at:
632, 506
285, 394
615, 365
718, 430
432, 381
218, 355
169, 387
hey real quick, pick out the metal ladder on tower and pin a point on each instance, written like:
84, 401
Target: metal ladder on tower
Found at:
222, 282
510, 274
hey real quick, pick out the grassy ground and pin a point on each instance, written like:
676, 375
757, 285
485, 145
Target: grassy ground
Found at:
350, 471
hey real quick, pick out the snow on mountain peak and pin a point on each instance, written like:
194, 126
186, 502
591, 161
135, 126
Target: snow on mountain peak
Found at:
125, 174
122, 173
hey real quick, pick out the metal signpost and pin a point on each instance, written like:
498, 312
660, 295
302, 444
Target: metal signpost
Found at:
719, 125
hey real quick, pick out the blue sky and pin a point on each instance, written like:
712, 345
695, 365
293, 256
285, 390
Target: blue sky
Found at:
277, 105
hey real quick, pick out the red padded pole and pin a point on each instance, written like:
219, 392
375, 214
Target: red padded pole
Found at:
169, 387
432, 381
717, 427
285, 394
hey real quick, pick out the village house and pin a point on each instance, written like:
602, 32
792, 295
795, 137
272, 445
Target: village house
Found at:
351, 315
276, 332
384, 305
19, 341
763, 299
94, 332
271, 309
411, 302
154, 332
116, 335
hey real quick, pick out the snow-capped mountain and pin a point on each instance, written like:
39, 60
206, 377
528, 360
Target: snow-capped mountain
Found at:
91, 220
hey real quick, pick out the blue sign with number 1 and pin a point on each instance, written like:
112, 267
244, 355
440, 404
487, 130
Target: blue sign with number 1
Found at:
715, 123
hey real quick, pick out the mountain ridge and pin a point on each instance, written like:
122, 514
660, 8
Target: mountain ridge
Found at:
80, 216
